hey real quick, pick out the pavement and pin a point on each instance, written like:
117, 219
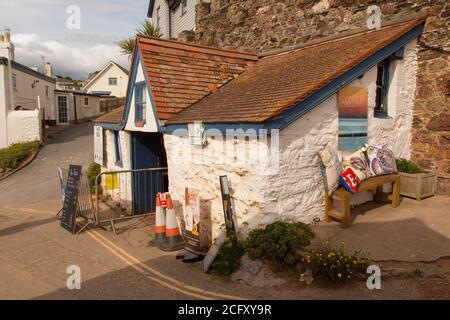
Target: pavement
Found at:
35, 251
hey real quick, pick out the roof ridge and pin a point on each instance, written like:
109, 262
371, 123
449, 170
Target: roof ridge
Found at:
197, 47
344, 35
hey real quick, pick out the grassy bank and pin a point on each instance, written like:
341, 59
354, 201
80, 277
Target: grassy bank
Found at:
11, 157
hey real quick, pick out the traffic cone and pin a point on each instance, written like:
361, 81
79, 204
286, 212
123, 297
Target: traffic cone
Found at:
160, 223
173, 240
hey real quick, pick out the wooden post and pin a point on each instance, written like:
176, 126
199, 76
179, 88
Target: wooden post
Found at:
328, 206
396, 193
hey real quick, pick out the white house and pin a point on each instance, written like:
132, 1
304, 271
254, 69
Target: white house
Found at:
73, 106
111, 80
26, 97
172, 16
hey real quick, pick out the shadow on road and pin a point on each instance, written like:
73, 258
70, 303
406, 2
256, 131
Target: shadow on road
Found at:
24, 226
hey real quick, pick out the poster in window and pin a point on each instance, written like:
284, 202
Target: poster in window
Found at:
98, 145
353, 104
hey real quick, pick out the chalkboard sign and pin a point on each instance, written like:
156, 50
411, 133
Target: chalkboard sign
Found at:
69, 212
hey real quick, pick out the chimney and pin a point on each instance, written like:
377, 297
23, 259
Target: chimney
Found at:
48, 70
6, 47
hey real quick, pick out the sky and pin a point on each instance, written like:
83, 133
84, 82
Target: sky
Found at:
75, 44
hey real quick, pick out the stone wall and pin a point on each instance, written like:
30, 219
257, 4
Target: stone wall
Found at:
264, 25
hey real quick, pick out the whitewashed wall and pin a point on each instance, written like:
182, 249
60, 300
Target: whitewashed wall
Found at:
24, 126
123, 193
296, 191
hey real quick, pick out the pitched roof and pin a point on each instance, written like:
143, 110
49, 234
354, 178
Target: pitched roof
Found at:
114, 116
103, 70
278, 82
180, 74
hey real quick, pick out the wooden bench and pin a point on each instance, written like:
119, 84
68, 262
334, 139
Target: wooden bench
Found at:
374, 184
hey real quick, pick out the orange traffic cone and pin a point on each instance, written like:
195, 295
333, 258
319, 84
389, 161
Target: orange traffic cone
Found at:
173, 240
160, 223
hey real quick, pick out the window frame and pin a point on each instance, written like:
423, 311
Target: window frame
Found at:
382, 89
14, 81
158, 17
112, 83
86, 101
183, 7
140, 107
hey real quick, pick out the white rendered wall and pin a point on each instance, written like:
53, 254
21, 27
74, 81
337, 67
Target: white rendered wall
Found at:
183, 22
23, 126
123, 193
4, 104
101, 83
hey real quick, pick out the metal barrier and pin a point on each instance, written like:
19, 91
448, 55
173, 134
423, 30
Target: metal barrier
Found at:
133, 192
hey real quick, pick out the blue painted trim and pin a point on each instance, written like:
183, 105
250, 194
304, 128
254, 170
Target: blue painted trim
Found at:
221, 127
345, 79
110, 126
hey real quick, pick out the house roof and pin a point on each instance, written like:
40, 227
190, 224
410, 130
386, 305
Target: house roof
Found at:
125, 71
18, 66
278, 82
113, 117
180, 74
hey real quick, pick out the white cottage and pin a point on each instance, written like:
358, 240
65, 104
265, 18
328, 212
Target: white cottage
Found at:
264, 129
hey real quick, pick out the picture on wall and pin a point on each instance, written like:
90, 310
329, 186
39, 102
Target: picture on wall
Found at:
353, 104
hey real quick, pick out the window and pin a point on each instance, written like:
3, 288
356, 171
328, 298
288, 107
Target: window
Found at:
118, 148
112, 81
86, 101
183, 7
381, 106
158, 17
46, 91
14, 81
139, 102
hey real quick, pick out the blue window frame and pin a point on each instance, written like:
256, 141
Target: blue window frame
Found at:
381, 106
118, 148
139, 102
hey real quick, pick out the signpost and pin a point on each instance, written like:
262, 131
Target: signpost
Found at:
98, 145
69, 212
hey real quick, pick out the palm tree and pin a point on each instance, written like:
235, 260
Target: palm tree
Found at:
147, 29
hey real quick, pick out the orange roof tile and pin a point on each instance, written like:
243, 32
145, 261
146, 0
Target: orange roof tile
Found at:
180, 74
277, 82
114, 116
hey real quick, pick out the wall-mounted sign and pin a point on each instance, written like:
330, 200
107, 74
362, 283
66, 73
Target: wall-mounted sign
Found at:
98, 145
197, 134
353, 104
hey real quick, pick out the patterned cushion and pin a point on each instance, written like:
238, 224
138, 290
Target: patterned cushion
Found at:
381, 160
358, 163
333, 168
349, 180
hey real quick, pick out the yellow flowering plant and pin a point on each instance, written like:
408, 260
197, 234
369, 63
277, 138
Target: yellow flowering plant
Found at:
331, 262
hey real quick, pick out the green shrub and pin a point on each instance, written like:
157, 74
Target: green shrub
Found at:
333, 264
407, 166
12, 156
228, 258
92, 172
279, 243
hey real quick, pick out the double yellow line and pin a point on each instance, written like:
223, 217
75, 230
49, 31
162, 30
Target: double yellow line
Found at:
157, 276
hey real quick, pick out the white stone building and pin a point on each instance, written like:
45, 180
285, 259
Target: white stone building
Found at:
264, 129
111, 80
26, 97
172, 16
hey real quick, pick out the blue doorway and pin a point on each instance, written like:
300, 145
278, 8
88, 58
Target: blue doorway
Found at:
147, 152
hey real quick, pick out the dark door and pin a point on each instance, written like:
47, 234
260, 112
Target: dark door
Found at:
148, 152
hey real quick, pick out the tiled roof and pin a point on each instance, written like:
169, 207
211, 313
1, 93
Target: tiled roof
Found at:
114, 116
277, 82
180, 74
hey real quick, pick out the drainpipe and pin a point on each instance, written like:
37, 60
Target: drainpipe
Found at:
75, 107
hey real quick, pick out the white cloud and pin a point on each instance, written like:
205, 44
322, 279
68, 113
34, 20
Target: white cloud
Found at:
66, 60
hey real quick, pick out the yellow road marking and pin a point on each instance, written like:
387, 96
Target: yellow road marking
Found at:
144, 272
126, 256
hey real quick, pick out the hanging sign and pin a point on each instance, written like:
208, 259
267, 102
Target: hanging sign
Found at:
98, 145
192, 219
197, 136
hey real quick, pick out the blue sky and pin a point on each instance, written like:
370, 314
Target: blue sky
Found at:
38, 28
